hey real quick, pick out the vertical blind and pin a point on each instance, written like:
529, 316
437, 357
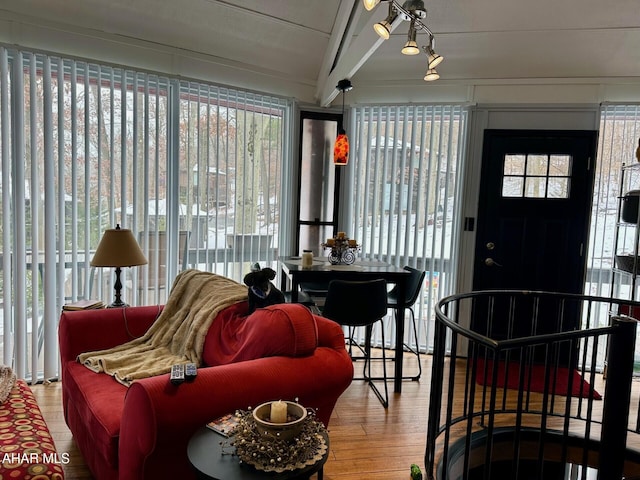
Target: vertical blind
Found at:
619, 132
405, 181
191, 168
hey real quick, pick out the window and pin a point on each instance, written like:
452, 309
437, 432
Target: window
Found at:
319, 181
85, 147
405, 184
618, 139
536, 176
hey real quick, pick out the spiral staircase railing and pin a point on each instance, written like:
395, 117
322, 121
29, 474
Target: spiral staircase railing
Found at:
522, 387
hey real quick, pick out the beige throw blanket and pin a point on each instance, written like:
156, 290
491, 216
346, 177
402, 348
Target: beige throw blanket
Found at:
177, 335
7, 381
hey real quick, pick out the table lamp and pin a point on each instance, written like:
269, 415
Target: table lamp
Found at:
118, 248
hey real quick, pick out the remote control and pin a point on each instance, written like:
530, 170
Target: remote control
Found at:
177, 374
190, 372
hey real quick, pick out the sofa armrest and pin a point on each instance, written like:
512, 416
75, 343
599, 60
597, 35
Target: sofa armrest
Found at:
330, 333
159, 418
87, 330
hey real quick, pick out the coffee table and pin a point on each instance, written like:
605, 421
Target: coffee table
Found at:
205, 454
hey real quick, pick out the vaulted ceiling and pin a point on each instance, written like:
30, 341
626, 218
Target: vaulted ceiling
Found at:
306, 46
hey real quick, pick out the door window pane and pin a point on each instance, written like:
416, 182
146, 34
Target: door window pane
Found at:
535, 187
514, 164
512, 186
536, 176
558, 188
559, 166
537, 164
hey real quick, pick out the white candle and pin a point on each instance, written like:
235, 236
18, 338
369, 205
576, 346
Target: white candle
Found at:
278, 412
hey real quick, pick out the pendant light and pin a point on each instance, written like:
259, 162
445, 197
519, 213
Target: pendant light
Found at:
341, 148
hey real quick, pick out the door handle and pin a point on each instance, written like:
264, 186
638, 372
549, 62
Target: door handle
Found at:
490, 262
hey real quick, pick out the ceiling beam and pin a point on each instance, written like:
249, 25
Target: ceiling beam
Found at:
339, 32
357, 47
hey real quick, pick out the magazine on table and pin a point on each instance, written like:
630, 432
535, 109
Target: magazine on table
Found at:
224, 425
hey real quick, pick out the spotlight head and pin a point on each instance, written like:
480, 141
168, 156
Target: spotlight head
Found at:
432, 57
410, 48
370, 4
435, 60
431, 75
383, 29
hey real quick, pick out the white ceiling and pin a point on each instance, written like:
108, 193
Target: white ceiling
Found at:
308, 45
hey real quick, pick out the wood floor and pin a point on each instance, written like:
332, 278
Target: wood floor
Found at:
367, 441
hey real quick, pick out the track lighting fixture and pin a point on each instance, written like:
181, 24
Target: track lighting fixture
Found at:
414, 12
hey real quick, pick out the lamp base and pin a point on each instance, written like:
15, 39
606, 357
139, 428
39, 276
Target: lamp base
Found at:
117, 304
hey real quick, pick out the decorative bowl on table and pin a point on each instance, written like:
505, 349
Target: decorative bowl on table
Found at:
295, 417
295, 443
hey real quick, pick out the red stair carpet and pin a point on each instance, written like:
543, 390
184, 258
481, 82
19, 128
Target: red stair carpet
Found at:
536, 378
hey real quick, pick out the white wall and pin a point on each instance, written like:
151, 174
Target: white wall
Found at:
112, 49
126, 51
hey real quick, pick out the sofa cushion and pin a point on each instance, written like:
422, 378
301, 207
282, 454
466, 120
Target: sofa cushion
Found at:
286, 329
98, 401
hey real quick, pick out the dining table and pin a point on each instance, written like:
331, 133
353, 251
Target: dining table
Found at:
322, 271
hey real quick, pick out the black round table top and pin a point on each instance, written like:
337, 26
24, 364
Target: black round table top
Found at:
205, 454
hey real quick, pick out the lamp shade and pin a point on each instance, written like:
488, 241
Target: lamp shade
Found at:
118, 248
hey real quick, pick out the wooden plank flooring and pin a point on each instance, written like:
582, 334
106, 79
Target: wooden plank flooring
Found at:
367, 441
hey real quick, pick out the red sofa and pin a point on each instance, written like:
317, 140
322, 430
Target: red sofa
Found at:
281, 352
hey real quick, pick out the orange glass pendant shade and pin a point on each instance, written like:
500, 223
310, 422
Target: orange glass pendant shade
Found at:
341, 150
341, 147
